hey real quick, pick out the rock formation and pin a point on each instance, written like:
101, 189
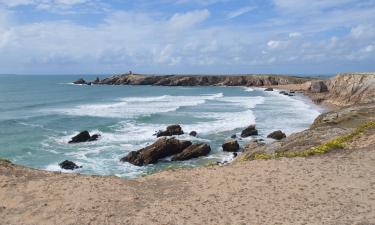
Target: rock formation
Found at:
162, 148
277, 135
69, 165
193, 151
84, 136
171, 130
230, 145
249, 131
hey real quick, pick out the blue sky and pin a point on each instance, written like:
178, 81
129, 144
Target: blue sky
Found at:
186, 36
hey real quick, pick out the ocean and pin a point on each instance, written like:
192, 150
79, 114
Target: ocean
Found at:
39, 115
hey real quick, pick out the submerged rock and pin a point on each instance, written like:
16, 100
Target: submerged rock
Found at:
231, 145
249, 131
171, 130
84, 136
69, 165
278, 135
193, 151
234, 136
162, 148
268, 89
193, 133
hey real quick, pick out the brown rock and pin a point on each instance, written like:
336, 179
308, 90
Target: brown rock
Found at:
162, 148
249, 131
278, 135
231, 145
171, 130
193, 151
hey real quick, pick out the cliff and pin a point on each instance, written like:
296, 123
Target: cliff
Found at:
197, 80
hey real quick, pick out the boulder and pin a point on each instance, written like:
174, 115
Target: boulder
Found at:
282, 92
193, 151
162, 148
81, 137
80, 81
193, 133
84, 136
231, 145
249, 131
278, 135
235, 154
318, 87
268, 89
69, 165
171, 130
234, 136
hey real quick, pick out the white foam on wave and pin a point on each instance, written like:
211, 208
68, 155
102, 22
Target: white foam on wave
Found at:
131, 107
246, 102
248, 89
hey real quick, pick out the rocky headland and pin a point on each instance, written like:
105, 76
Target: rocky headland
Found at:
323, 175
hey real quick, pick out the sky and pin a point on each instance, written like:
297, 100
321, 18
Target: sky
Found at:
186, 36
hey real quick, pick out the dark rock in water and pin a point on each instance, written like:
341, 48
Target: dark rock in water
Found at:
235, 154
233, 136
268, 89
81, 137
286, 93
282, 92
278, 135
84, 136
69, 165
193, 151
249, 131
292, 92
96, 81
162, 148
290, 95
318, 87
193, 133
171, 130
80, 81
231, 145
89, 83
94, 137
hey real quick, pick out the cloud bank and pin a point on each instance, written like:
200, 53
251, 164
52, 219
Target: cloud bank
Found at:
289, 37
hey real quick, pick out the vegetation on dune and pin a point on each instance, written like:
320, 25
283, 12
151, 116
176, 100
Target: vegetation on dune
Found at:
336, 143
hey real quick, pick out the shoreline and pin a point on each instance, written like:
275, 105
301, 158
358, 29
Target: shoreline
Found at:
334, 187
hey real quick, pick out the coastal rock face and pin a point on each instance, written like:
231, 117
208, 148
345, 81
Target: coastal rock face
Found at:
318, 87
162, 148
171, 130
249, 131
193, 151
195, 80
84, 136
348, 89
230, 145
277, 135
69, 165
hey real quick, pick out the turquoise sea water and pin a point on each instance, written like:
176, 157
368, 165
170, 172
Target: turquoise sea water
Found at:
39, 115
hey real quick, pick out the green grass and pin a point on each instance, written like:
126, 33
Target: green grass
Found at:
336, 143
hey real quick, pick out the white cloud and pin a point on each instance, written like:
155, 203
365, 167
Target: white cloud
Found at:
189, 19
240, 12
295, 35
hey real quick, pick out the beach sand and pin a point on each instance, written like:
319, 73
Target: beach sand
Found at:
336, 188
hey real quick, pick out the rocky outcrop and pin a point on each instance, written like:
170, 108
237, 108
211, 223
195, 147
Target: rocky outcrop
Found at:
162, 148
318, 87
80, 81
249, 131
171, 130
193, 151
277, 135
69, 165
84, 136
230, 145
208, 80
